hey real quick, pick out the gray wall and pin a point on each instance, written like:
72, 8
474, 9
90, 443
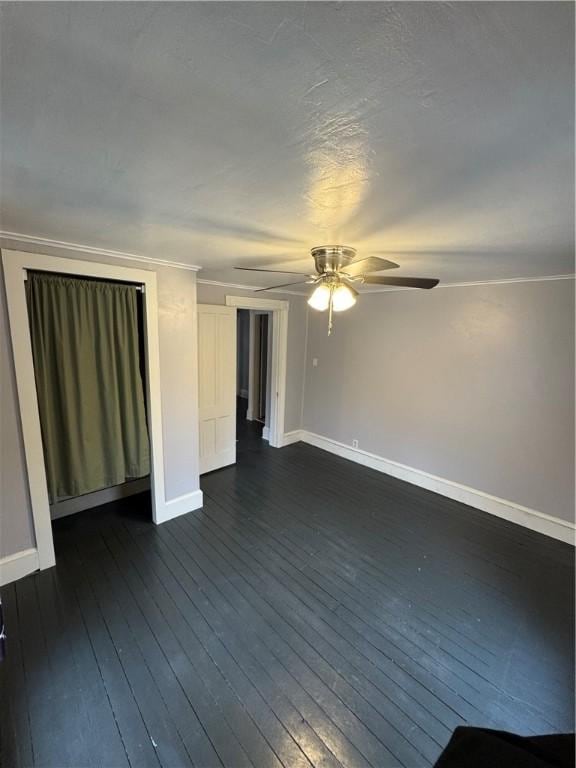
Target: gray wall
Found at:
178, 381
16, 528
216, 294
473, 384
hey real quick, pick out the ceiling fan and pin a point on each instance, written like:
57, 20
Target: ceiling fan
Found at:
336, 273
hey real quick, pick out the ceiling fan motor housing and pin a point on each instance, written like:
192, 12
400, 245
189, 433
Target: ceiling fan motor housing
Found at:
332, 258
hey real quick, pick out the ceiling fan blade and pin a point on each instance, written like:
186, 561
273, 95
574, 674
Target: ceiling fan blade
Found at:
284, 285
405, 282
278, 271
370, 264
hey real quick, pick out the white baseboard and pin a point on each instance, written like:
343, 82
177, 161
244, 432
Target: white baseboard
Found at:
265, 433
249, 414
292, 437
179, 506
14, 567
508, 510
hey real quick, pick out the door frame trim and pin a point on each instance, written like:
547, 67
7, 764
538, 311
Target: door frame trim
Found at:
15, 264
278, 367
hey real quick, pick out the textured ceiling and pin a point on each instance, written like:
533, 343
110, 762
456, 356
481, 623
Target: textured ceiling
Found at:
439, 134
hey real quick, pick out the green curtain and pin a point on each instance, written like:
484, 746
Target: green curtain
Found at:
90, 394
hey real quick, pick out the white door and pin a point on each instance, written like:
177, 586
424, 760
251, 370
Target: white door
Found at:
217, 386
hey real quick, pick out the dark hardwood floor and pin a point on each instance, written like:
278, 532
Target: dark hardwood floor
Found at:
314, 612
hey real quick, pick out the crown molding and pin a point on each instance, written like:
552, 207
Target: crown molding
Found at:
240, 287
44, 242
391, 289
502, 281
221, 284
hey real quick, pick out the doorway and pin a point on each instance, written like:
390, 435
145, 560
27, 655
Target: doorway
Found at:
88, 345
16, 265
217, 373
253, 377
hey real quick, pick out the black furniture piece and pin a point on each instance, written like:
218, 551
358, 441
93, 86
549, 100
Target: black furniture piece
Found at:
484, 748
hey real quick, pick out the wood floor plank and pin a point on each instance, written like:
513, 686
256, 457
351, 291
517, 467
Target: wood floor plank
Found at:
88, 713
314, 614
164, 736
496, 676
193, 603
292, 593
310, 623
465, 692
172, 632
16, 747
283, 745
135, 736
190, 729
224, 581
311, 712
201, 644
50, 712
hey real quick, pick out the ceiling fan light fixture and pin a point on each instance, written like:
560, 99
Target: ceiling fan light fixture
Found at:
320, 298
337, 271
343, 298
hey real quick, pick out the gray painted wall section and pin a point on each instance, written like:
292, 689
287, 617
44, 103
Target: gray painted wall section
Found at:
474, 384
216, 294
178, 380
16, 526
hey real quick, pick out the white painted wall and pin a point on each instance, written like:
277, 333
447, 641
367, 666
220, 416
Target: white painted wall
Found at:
177, 336
216, 294
472, 384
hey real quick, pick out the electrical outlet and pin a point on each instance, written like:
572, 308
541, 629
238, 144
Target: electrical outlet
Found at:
314, 362
354, 443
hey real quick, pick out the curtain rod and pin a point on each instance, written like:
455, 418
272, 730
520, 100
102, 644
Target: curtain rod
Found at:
137, 286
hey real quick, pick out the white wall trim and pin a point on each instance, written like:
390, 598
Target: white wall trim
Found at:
296, 436
389, 289
508, 510
242, 287
14, 567
251, 410
221, 284
278, 363
266, 434
15, 265
181, 505
44, 242
249, 302
471, 284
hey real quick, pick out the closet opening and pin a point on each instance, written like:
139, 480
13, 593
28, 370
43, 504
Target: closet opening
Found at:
99, 375
88, 348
